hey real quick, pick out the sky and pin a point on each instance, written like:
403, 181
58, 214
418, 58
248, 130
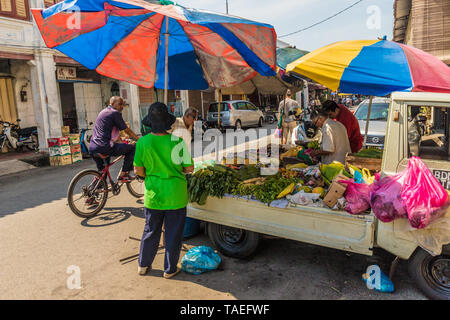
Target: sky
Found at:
368, 19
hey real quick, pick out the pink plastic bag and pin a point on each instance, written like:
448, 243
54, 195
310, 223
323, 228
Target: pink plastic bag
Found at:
424, 196
357, 196
386, 197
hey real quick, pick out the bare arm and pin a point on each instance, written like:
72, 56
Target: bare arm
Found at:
140, 171
189, 169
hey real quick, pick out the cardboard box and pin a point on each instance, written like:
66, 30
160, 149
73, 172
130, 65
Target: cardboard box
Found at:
59, 151
65, 131
335, 191
66, 160
75, 148
60, 141
77, 157
55, 160
74, 138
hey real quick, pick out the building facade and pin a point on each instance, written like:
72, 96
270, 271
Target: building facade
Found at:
43, 87
424, 24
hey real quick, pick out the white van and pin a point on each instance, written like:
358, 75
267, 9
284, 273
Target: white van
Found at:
235, 114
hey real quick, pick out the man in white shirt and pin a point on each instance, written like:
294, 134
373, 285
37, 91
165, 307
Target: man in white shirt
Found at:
335, 144
182, 127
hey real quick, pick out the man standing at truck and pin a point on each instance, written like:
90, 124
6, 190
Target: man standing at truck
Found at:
345, 116
335, 144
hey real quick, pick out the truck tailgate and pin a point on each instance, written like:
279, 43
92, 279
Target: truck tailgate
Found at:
320, 226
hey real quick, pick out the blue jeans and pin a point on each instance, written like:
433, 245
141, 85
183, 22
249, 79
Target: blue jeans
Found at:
173, 236
117, 149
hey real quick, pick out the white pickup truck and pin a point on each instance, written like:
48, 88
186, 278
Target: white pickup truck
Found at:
235, 226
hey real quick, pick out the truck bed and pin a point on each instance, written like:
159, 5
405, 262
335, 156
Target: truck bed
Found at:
319, 226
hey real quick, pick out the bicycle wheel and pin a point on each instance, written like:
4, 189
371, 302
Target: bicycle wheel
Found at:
87, 193
136, 187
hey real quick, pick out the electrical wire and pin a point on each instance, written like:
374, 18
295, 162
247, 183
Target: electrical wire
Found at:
320, 22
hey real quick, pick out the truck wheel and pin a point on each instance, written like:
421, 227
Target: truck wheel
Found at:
233, 242
431, 274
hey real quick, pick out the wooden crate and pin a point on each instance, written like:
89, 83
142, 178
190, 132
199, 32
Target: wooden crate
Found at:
373, 164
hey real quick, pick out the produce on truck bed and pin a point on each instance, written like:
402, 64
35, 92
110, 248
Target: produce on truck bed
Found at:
369, 153
213, 181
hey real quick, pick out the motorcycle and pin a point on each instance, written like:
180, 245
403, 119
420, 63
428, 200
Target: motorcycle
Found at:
16, 138
85, 139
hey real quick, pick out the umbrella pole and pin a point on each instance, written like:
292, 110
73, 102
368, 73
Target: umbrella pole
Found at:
166, 60
367, 121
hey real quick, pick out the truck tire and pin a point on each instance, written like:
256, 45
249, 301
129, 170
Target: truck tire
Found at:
431, 274
233, 242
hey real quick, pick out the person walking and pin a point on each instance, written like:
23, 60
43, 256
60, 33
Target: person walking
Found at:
163, 159
288, 121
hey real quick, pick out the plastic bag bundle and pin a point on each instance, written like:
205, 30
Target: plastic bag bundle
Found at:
330, 171
357, 196
386, 197
199, 260
424, 196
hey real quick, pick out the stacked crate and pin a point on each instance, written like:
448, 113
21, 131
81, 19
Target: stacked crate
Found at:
59, 151
75, 148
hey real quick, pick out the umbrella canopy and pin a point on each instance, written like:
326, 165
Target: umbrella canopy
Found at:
288, 55
374, 67
126, 40
264, 85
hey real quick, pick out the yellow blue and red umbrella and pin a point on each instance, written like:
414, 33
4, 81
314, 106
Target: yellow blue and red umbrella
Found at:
166, 46
373, 67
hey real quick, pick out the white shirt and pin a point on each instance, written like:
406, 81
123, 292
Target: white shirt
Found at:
335, 140
179, 129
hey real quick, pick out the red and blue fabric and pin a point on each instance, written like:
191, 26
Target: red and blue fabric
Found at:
125, 40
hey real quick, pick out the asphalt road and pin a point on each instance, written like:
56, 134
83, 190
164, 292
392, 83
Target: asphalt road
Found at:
42, 245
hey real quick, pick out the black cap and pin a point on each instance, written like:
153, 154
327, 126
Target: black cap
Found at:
158, 118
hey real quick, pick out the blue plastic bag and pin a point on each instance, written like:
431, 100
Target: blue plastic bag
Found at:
199, 260
376, 279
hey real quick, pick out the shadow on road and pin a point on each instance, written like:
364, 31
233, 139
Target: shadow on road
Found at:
110, 216
38, 186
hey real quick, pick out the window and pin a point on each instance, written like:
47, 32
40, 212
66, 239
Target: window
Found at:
378, 112
19, 9
214, 107
240, 105
115, 90
252, 107
428, 132
49, 3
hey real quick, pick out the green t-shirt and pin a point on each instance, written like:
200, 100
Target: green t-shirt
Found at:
163, 158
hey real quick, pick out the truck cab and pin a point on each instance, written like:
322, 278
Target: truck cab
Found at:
418, 125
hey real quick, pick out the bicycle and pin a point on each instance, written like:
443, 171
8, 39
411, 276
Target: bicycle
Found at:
93, 193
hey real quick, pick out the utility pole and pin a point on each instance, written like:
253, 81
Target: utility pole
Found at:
226, 1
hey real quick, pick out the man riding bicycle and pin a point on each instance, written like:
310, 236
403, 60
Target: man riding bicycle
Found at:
106, 131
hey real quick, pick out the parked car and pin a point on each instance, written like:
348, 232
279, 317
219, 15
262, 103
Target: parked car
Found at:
235, 114
378, 120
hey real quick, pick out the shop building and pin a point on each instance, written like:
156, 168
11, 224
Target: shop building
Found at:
45, 88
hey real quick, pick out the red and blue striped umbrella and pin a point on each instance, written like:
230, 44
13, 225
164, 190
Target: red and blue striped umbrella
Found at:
126, 40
